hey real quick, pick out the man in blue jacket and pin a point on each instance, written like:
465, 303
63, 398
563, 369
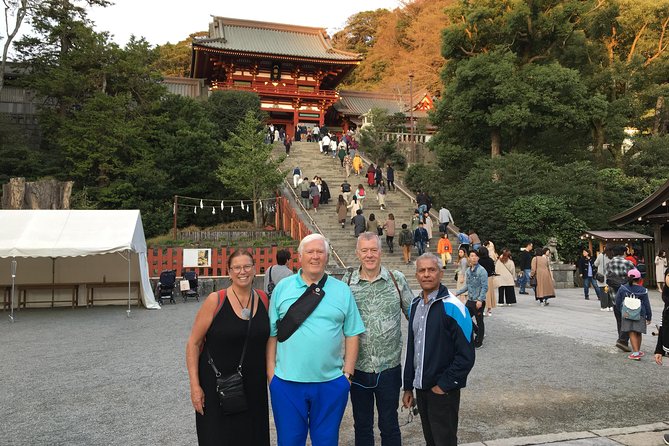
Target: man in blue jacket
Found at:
439, 356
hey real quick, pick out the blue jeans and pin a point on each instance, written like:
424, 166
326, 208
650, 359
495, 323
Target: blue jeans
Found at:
421, 248
385, 387
524, 280
421, 210
587, 281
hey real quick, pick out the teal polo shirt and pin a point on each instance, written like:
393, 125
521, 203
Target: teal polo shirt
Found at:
314, 352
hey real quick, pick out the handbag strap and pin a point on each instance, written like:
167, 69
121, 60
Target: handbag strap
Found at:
210, 360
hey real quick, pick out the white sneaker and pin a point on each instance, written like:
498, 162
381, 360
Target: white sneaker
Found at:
610, 308
603, 309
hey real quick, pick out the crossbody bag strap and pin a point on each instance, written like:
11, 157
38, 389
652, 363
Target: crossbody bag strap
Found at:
210, 360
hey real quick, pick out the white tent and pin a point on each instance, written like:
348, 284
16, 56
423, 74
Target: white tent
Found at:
75, 247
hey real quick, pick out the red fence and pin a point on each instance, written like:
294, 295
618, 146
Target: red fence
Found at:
286, 220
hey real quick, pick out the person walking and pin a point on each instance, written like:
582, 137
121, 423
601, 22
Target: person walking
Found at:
342, 210
371, 173
602, 266
354, 206
315, 195
346, 190
390, 176
525, 267
406, 242
360, 195
476, 287
324, 144
420, 238
229, 336
541, 269
311, 354
389, 227
463, 241
586, 268
373, 224
474, 240
660, 268
439, 355
378, 175
427, 224
444, 249
381, 195
297, 175
348, 164
305, 187
382, 297
287, 142
357, 164
616, 276
505, 271
278, 272
341, 153
489, 265
461, 272
634, 325
359, 223
662, 347
445, 218
415, 220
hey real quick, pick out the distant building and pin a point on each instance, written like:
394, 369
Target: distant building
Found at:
294, 69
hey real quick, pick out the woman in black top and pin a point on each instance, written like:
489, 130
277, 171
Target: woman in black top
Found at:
220, 328
662, 347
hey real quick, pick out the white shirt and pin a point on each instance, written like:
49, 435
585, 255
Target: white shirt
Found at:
445, 216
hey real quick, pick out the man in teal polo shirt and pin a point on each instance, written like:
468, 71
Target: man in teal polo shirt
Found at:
309, 379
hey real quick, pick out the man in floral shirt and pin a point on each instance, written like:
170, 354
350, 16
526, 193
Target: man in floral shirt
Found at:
382, 296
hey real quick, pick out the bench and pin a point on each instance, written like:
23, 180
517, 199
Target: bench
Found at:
73, 300
91, 287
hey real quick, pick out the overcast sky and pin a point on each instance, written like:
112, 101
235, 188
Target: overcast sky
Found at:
161, 21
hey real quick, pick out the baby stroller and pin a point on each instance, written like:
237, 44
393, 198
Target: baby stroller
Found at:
166, 284
189, 286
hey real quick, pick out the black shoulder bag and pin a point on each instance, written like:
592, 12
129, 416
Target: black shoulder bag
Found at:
300, 310
230, 388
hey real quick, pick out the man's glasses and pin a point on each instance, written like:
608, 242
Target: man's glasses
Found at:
238, 269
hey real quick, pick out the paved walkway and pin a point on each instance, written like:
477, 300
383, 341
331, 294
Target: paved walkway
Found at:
545, 374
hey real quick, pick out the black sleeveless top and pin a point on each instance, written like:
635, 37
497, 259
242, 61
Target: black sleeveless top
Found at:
225, 341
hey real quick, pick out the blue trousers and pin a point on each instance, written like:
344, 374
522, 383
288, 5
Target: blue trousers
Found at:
524, 280
385, 388
421, 248
587, 281
313, 408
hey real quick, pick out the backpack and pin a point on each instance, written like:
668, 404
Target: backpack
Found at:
296, 171
631, 307
406, 237
271, 284
346, 187
615, 281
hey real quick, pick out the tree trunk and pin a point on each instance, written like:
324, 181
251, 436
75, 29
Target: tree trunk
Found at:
659, 115
21, 11
496, 142
45, 194
598, 139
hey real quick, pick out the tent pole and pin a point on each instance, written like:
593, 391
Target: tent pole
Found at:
11, 302
128, 310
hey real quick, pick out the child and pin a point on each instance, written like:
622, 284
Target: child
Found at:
634, 327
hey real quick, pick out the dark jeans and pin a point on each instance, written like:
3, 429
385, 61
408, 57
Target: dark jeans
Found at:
587, 281
524, 280
623, 336
439, 416
385, 388
389, 242
421, 248
509, 292
480, 327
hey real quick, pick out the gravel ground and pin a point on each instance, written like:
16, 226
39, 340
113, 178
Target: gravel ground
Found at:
96, 377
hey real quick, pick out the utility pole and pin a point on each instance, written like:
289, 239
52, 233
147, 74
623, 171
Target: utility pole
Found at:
412, 158
174, 218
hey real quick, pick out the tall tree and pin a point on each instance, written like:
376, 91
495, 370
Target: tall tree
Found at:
247, 167
16, 9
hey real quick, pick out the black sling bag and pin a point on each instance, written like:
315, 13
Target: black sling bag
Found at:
300, 310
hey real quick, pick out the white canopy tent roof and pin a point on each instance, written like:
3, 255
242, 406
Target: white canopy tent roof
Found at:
72, 234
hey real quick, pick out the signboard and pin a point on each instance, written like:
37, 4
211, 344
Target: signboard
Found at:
197, 258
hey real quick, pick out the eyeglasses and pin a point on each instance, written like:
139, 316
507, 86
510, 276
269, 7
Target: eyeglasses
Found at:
238, 269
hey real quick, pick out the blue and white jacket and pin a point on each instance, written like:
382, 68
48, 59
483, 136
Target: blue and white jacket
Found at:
448, 354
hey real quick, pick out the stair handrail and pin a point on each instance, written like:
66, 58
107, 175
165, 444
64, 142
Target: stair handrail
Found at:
312, 221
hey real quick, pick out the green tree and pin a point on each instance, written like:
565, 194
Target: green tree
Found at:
359, 33
247, 167
377, 138
228, 108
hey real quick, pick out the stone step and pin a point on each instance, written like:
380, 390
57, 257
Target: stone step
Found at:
308, 157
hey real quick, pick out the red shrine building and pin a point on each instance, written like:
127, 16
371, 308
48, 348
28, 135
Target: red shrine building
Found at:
294, 69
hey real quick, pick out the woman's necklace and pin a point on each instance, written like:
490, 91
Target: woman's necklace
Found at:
246, 311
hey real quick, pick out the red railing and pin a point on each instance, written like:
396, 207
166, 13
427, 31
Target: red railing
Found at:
286, 220
290, 91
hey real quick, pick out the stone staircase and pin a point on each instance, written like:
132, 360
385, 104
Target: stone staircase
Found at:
307, 156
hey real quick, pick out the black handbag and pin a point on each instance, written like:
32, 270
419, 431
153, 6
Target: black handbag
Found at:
230, 387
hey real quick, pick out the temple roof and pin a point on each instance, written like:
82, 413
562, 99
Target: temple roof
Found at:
358, 103
610, 236
653, 209
276, 39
